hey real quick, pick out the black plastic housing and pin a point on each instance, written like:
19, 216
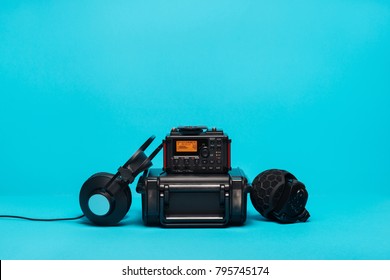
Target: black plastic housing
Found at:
193, 200
197, 150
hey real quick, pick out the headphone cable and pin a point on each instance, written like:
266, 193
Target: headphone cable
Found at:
41, 220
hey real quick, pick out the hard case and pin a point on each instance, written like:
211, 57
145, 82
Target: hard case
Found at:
196, 200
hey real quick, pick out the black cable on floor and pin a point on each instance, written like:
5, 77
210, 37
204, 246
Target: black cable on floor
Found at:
41, 220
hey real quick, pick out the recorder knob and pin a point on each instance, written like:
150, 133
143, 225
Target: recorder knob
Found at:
204, 152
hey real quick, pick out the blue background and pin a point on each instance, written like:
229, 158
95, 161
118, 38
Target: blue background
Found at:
298, 85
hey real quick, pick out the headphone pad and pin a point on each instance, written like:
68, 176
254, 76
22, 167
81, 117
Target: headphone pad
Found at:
104, 204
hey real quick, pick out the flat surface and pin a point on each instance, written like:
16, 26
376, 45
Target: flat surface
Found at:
357, 231
300, 86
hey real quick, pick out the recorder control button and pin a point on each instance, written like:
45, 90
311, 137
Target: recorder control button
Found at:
204, 152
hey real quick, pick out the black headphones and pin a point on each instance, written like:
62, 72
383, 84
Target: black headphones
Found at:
105, 198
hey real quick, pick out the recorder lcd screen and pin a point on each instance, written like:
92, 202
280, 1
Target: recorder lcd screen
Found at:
186, 146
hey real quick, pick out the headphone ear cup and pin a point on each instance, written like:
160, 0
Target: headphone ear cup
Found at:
104, 204
277, 194
127, 192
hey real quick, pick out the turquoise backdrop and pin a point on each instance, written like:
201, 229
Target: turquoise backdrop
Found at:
299, 85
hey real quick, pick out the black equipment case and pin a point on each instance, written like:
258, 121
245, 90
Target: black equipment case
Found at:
184, 200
